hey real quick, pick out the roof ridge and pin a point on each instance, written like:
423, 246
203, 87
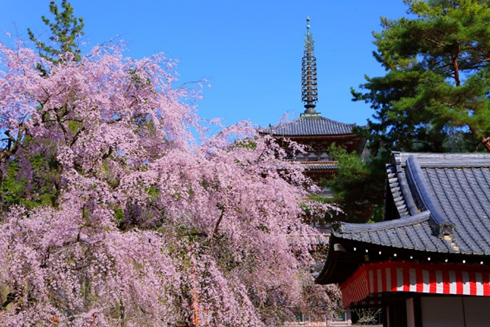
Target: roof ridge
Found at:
428, 158
396, 191
324, 118
438, 222
311, 126
343, 228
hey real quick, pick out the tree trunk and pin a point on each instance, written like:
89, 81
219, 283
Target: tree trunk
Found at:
486, 143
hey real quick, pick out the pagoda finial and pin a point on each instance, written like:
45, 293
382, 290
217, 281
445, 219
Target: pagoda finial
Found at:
309, 81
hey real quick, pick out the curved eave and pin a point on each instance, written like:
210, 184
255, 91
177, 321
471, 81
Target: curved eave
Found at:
339, 264
345, 256
351, 245
306, 135
310, 126
320, 166
412, 233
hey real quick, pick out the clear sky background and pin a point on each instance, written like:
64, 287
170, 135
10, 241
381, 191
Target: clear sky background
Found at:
248, 50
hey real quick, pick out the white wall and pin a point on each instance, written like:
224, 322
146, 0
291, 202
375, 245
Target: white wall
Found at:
455, 311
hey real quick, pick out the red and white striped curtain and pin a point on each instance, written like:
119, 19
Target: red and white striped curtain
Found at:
401, 276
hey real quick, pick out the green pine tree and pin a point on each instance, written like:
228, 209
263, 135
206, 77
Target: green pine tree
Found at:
358, 185
434, 96
66, 31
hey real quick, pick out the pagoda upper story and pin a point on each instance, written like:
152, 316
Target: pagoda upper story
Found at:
313, 130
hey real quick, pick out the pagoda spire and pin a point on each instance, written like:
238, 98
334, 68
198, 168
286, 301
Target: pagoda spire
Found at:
309, 81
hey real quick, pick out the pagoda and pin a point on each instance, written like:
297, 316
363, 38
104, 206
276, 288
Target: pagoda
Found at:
311, 129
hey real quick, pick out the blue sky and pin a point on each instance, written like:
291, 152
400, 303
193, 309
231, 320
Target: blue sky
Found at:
249, 50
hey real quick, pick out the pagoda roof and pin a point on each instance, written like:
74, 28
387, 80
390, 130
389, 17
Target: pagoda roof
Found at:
438, 205
320, 166
310, 125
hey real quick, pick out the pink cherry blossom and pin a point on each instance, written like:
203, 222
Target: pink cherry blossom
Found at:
147, 226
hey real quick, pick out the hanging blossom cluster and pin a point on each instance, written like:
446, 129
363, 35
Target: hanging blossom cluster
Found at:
112, 215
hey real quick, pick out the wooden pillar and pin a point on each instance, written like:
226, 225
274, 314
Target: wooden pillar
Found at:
387, 316
410, 313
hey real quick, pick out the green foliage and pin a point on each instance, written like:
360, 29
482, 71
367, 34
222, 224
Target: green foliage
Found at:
437, 79
119, 216
40, 190
43, 168
12, 187
434, 96
358, 186
66, 30
30, 181
246, 143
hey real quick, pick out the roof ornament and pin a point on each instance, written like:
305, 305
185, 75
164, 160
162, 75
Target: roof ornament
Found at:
309, 79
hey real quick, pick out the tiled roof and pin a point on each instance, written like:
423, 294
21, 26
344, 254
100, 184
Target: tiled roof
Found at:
320, 166
412, 233
310, 125
443, 201
438, 206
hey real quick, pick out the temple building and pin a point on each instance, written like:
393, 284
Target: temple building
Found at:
428, 263
313, 130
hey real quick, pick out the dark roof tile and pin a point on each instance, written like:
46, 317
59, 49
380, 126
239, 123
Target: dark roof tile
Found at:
310, 125
444, 209
321, 166
457, 190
